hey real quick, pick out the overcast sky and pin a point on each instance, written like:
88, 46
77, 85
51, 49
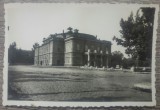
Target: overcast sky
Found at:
30, 23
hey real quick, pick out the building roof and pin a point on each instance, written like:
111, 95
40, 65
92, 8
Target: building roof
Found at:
79, 35
89, 37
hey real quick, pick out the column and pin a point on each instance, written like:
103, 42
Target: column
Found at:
107, 55
88, 57
101, 60
38, 56
95, 61
106, 61
95, 58
49, 54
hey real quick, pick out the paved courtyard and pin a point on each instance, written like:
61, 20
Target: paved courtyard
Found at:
71, 84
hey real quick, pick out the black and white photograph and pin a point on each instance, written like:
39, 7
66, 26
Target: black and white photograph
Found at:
79, 54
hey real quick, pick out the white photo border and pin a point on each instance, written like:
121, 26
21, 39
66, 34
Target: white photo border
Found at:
7, 102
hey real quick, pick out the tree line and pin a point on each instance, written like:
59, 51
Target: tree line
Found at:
117, 58
18, 56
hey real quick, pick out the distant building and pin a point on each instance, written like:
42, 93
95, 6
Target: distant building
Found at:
73, 49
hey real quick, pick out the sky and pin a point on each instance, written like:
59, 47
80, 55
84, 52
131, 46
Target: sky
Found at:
30, 23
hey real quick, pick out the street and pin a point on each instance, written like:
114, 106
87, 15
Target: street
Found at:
71, 84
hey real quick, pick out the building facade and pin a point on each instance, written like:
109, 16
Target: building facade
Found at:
73, 49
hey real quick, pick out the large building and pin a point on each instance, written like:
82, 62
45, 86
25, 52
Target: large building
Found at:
73, 49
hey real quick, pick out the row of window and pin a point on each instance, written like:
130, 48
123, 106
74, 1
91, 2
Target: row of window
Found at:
79, 47
92, 48
45, 50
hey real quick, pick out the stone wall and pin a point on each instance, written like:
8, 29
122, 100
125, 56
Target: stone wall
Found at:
43, 54
76, 47
58, 52
68, 52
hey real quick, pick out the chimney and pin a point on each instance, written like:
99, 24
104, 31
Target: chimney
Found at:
63, 34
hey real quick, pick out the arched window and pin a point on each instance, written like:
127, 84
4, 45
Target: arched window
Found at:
106, 50
86, 47
92, 47
78, 47
98, 49
58, 49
